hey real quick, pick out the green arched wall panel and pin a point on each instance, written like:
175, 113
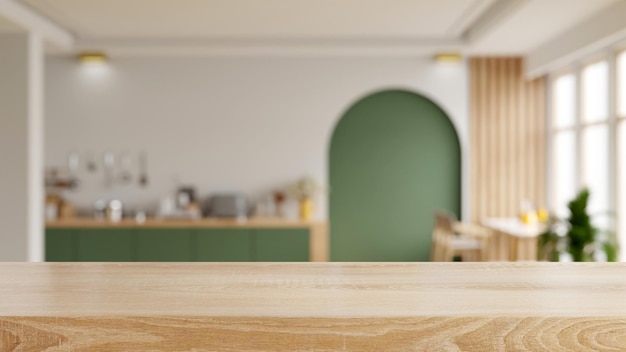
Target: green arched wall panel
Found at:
394, 159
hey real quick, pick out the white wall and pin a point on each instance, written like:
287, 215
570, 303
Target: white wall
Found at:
21, 147
223, 124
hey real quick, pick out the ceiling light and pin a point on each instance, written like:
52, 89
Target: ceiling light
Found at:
448, 57
92, 57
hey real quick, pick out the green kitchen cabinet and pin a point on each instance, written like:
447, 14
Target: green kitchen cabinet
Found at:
60, 245
176, 245
164, 245
105, 245
281, 245
224, 245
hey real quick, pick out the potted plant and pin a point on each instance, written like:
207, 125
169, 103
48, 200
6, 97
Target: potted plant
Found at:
304, 190
581, 239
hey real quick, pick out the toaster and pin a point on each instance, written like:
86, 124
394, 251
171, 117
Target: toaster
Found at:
227, 206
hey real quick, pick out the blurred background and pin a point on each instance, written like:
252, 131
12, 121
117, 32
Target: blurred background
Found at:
300, 130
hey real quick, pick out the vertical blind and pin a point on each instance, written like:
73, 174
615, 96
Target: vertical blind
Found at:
507, 137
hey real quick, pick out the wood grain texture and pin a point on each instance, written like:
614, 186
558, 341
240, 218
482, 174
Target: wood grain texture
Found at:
507, 137
312, 306
106, 334
319, 243
312, 289
512, 240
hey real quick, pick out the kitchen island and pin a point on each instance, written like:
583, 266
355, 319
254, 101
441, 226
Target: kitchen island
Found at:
156, 240
118, 307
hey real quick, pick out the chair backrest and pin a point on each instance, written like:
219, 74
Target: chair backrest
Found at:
448, 229
445, 221
442, 233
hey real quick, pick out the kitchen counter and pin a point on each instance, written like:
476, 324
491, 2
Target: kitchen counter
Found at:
318, 236
313, 306
184, 223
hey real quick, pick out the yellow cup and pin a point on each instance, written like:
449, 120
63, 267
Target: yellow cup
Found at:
543, 215
529, 217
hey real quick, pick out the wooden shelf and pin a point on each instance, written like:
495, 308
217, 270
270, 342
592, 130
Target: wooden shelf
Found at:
312, 306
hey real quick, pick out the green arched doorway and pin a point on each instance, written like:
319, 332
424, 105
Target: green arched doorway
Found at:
394, 159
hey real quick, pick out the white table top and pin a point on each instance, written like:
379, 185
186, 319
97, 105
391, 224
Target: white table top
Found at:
514, 227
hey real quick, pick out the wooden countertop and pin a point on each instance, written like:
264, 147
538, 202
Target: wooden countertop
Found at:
184, 223
313, 306
311, 289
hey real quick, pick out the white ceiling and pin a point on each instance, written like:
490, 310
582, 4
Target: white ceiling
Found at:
139, 25
537, 22
7, 26
258, 18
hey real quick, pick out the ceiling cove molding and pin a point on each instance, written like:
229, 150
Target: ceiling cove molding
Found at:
469, 17
27, 18
491, 18
602, 31
381, 47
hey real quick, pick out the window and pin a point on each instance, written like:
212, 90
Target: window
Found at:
564, 142
595, 143
584, 139
595, 92
565, 101
621, 85
564, 170
621, 202
595, 139
621, 150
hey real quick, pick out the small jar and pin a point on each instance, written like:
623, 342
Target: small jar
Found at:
100, 209
114, 211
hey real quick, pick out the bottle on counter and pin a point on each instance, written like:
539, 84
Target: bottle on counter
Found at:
167, 207
52, 207
140, 217
279, 201
100, 209
114, 211
67, 210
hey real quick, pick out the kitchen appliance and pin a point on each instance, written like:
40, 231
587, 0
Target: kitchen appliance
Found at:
227, 206
185, 196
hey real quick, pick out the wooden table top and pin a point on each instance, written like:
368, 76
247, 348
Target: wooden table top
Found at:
312, 289
252, 222
151, 307
514, 227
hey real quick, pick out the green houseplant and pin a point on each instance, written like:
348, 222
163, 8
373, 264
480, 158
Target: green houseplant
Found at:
581, 239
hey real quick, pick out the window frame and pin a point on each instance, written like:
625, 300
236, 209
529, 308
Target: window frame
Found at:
612, 121
553, 131
620, 205
611, 74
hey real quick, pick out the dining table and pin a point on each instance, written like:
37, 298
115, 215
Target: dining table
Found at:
513, 240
